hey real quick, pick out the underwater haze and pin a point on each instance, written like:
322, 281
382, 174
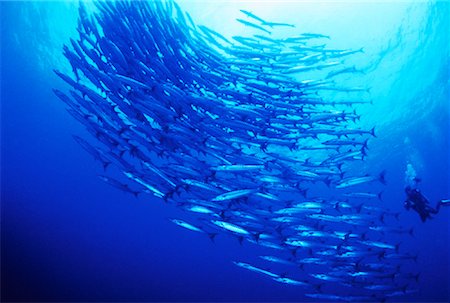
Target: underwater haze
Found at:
224, 150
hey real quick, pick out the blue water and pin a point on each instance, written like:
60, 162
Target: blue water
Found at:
68, 236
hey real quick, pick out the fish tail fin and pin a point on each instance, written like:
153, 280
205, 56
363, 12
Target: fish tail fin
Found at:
294, 252
257, 236
347, 235
363, 152
318, 287
359, 208
404, 288
240, 239
380, 196
336, 206
166, 197
364, 146
105, 165
397, 246
382, 177
212, 236
416, 277
372, 132
364, 235
304, 192
293, 146
358, 264
266, 164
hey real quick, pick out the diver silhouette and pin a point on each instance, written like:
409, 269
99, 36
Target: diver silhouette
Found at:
417, 201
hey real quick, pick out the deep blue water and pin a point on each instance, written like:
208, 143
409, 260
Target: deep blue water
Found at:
68, 236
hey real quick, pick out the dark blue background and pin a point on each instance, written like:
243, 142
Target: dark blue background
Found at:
68, 236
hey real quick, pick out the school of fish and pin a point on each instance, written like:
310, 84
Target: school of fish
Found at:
230, 131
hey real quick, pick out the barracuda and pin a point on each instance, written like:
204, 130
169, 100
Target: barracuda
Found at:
230, 227
234, 194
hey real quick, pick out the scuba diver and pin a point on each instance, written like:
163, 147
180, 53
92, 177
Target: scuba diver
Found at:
420, 204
